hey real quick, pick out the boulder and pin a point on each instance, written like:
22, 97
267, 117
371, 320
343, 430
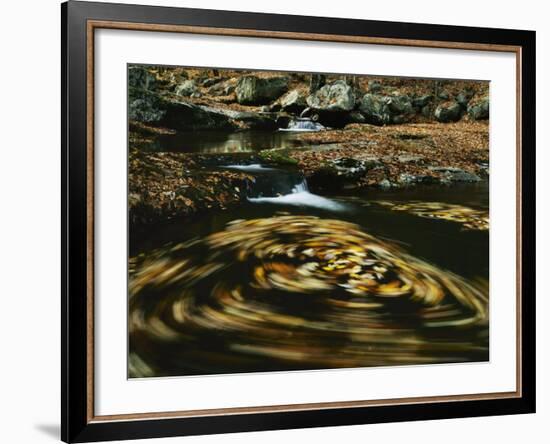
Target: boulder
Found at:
463, 98
374, 86
141, 78
382, 110
422, 101
293, 102
156, 110
334, 97
479, 110
252, 90
452, 174
145, 108
448, 112
186, 88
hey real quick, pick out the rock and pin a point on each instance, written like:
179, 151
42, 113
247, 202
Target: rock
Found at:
443, 95
186, 88
382, 110
374, 109
418, 179
196, 95
374, 86
140, 77
384, 184
334, 97
452, 174
463, 98
252, 90
479, 110
422, 101
154, 109
450, 112
211, 81
221, 89
293, 102
250, 120
399, 105
316, 81
356, 117
145, 108
342, 173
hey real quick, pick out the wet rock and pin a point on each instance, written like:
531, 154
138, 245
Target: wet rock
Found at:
407, 179
448, 112
186, 88
342, 173
452, 174
252, 90
335, 97
293, 102
479, 110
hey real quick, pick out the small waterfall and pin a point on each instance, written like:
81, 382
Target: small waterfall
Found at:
283, 187
301, 124
301, 187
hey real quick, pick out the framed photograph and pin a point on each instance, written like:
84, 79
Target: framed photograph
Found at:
275, 221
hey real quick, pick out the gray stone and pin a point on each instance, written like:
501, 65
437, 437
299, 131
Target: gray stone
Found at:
382, 110
452, 174
422, 101
140, 77
463, 98
374, 86
186, 88
334, 97
449, 112
252, 90
479, 110
293, 102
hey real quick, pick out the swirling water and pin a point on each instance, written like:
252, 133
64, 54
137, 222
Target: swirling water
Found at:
295, 281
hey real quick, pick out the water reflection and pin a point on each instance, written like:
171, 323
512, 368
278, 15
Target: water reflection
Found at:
226, 142
297, 292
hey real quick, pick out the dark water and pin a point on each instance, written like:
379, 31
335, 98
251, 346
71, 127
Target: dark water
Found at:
291, 280
225, 142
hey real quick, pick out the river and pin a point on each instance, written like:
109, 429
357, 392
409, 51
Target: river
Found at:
292, 280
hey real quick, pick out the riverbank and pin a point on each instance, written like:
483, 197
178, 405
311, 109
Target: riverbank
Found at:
364, 132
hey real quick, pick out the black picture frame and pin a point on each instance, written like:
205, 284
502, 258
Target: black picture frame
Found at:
77, 328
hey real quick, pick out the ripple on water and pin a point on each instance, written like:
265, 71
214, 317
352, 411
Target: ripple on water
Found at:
297, 292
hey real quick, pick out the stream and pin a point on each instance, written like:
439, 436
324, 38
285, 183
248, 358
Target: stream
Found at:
292, 280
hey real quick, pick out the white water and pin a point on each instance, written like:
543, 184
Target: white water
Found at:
302, 198
303, 125
252, 167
